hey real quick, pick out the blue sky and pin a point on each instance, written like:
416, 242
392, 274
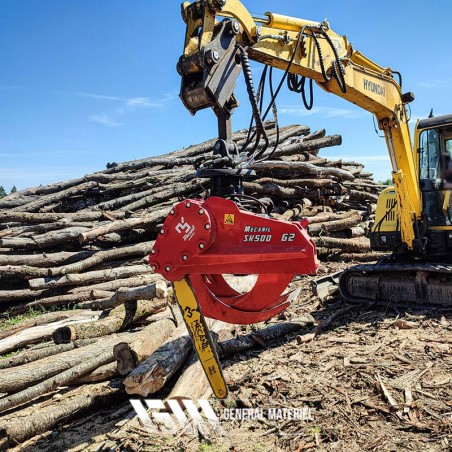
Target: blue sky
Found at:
86, 82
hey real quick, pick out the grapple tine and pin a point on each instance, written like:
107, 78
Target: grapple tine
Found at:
221, 308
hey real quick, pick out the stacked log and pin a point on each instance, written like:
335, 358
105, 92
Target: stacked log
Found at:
84, 244
69, 243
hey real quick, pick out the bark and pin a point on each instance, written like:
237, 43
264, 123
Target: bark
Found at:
307, 146
44, 259
336, 225
88, 277
354, 232
305, 168
42, 332
40, 353
47, 415
276, 191
42, 319
47, 240
52, 383
176, 191
152, 374
302, 183
137, 280
265, 336
53, 197
362, 196
155, 290
33, 372
9, 216
141, 249
62, 300
116, 320
149, 220
349, 245
323, 217
102, 373
130, 355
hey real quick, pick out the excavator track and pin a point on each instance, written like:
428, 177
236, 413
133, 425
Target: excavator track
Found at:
398, 284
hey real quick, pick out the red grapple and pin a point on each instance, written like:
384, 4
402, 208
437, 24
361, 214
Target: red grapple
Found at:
206, 239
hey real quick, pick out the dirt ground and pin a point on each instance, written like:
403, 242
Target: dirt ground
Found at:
375, 379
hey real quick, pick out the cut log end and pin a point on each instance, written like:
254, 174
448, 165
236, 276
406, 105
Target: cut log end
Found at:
64, 335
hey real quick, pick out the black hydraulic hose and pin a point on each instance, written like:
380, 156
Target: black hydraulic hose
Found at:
260, 130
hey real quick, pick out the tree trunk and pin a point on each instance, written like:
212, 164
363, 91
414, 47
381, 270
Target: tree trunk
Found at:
52, 383
43, 332
47, 415
88, 277
29, 356
34, 372
265, 336
147, 341
117, 319
154, 372
149, 292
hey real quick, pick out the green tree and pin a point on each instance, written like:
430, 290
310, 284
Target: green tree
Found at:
385, 182
2, 191
14, 189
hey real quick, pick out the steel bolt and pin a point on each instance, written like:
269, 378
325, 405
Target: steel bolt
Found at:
207, 226
162, 231
235, 27
187, 205
201, 245
153, 251
172, 212
184, 257
167, 268
201, 212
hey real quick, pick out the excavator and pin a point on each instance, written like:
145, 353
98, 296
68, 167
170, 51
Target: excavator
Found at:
203, 240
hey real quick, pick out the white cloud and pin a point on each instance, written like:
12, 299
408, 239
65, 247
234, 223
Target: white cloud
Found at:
105, 120
326, 112
126, 105
98, 96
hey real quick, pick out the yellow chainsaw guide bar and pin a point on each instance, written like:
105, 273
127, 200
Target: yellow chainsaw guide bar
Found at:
200, 335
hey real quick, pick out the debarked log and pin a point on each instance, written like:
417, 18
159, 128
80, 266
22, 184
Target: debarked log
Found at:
116, 320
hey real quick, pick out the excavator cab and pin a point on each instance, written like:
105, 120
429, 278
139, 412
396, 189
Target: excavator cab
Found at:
434, 147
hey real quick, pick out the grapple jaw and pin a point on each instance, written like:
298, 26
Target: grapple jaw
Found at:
203, 240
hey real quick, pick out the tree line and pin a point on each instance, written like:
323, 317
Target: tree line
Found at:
3, 191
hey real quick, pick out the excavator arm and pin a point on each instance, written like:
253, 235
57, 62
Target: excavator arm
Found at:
307, 49
201, 241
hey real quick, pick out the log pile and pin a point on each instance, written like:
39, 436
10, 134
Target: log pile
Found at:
84, 244
82, 240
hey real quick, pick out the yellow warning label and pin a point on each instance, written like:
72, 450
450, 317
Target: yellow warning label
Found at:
228, 218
